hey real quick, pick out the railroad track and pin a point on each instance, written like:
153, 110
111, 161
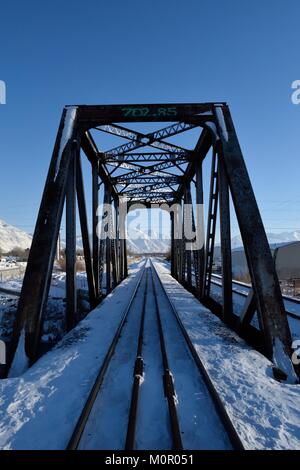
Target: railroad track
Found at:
84, 416
166, 390
241, 289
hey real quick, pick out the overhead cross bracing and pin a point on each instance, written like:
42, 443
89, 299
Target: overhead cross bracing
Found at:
151, 167
166, 172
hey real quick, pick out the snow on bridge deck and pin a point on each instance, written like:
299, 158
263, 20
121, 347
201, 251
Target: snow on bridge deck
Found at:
39, 409
266, 413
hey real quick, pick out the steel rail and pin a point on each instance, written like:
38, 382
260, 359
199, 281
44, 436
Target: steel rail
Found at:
138, 376
168, 378
84, 416
219, 405
243, 294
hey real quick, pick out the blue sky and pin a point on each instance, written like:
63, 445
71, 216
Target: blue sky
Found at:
243, 52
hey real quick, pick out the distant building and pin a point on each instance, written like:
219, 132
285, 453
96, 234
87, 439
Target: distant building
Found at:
296, 285
286, 258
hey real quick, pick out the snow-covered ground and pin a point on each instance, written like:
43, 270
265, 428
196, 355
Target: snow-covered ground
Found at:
200, 425
265, 412
39, 409
54, 324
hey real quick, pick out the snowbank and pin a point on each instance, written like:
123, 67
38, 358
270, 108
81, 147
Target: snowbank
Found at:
39, 409
265, 412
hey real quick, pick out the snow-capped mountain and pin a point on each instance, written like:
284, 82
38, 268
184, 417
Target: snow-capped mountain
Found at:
274, 238
138, 241
141, 242
12, 237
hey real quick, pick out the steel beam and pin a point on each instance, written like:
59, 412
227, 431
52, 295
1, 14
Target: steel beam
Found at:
199, 153
188, 220
38, 273
211, 226
145, 180
95, 221
260, 262
117, 242
153, 139
156, 170
173, 270
71, 288
85, 233
200, 230
125, 258
93, 116
193, 252
182, 246
113, 243
138, 186
102, 243
225, 242
248, 311
134, 157
90, 149
108, 245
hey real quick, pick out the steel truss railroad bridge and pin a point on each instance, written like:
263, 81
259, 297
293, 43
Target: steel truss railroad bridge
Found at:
149, 169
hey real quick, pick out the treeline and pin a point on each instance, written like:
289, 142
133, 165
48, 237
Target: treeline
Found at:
18, 253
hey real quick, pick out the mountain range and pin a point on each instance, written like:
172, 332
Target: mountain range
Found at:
12, 237
151, 242
138, 240
274, 238
141, 242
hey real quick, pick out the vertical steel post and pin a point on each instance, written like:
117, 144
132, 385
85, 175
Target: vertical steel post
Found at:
102, 244
193, 252
225, 241
121, 228
200, 227
121, 259
38, 273
117, 242
95, 221
182, 246
71, 288
108, 243
247, 312
85, 233
187, 226
178, 239
260, 262
211, 226
125, 259
172, 244
122, 236
113, 244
